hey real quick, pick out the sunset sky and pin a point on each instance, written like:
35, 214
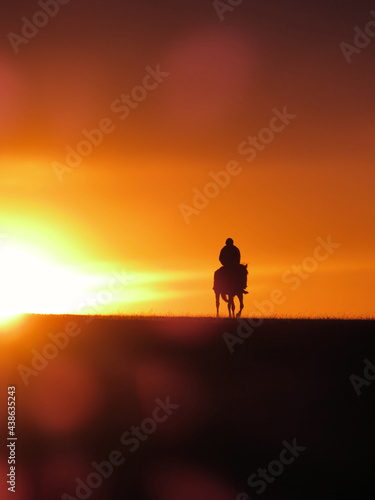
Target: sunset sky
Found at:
171, 94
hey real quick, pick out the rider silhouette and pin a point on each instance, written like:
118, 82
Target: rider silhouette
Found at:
230, 257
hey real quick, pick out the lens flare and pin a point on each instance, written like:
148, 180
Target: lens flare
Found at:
33, 283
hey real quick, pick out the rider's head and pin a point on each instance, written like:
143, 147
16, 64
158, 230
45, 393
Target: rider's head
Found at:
229, 241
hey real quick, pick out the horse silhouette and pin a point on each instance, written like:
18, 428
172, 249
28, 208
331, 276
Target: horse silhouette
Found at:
229, 283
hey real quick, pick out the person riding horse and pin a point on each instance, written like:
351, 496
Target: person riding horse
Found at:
230, 257
230, 280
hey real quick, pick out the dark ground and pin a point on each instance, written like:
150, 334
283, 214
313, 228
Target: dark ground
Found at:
289, 380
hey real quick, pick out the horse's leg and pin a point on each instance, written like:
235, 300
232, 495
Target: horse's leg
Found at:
217, 295
231, 306
240, 298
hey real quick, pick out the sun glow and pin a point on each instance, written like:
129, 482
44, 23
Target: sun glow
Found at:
33, 283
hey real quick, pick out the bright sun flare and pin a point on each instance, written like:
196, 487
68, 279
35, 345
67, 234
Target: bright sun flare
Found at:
33, 281
30, 283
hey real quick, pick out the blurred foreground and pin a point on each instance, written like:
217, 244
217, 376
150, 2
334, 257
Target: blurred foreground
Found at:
189, 408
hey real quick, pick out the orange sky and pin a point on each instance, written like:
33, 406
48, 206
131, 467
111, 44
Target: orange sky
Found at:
199, 87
